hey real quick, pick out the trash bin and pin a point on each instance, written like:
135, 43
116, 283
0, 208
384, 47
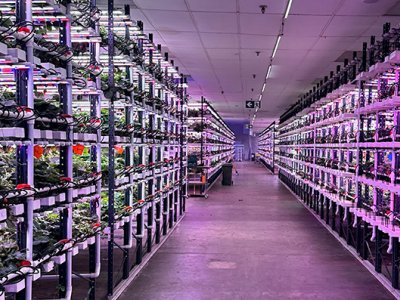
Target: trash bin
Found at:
227, 174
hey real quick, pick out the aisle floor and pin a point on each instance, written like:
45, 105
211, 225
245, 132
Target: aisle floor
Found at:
253, 240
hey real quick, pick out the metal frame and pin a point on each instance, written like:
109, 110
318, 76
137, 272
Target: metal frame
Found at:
360, 224
163, 188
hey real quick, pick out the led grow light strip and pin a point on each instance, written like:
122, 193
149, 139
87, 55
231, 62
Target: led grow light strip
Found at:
288, 6
268, 72
276, 45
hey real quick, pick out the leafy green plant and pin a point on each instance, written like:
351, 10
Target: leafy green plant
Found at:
47, 171
120, 208
82, 165
10, 254
119, 165
46, 233
85, 223
8, 166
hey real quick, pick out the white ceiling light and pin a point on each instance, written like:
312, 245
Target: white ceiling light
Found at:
269, 71
263, 88
259, 98
289, 4
276, 45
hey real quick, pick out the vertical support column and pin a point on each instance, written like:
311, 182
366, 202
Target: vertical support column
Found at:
150, 209
158, 212
341, 216
65, 90
322, 206
364, 248
327, 210
95, 153
378, 249
395, 262
139, 236
111, 150
141, 196
349, 227
333, 216
359, 235
165, 204
24, 87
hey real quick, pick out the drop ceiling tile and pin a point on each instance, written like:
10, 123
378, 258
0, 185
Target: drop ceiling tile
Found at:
297, 42
157, 39
220, 40
212, 5
325, 7
250, 55
289, 57
250, 41
377, 27
343, 26
231, 86
260, 24
335, 43
226, 54
351, 7
311, 26
216, 22
161, 5
181, 39
209, 85
137, 15
253, 6
170, 20
357, 43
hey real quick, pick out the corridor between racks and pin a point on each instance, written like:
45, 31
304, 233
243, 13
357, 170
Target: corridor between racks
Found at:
252, 240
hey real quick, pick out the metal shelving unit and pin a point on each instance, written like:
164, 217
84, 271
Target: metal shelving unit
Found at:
339, 153
92, 124
266, 147
210, 145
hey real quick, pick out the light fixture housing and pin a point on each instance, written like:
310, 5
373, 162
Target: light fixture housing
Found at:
276, 45
288, 6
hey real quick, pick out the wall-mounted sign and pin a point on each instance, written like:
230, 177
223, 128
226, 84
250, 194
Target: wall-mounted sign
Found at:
250, 104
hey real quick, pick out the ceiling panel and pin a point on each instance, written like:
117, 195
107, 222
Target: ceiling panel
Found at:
297, 42
305, 25
220, 40
216, 22
377, 27
260, 24
343, 26
253, 6
227, 54
212, 5
181, 39
328, 43
258, 42
138, 15
161, 20
357, 7
289, 57
160, 5
324, 7
251, 54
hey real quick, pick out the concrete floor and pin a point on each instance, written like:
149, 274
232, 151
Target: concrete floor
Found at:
253, 240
